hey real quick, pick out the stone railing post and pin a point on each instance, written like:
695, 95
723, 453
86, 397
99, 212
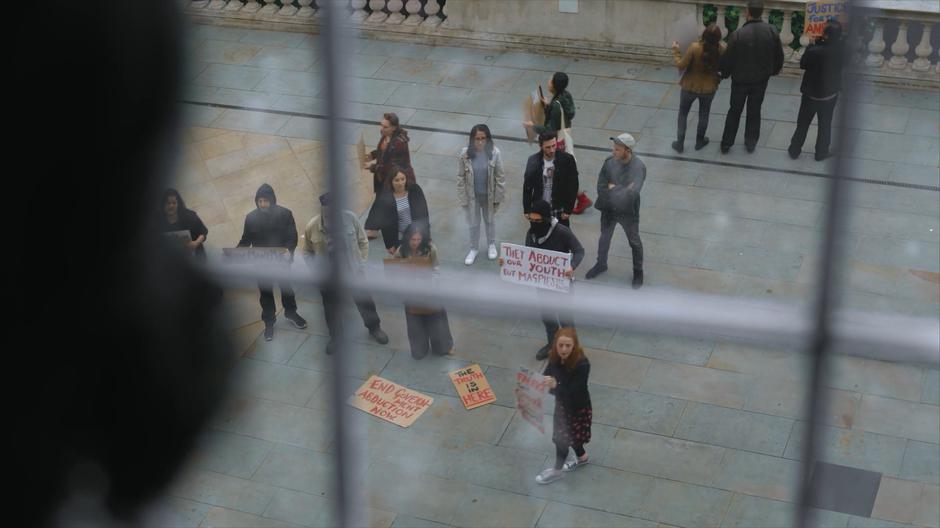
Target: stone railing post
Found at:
378, 14
431, 9
720, 20
923, 50
900, 48
876, 46
394, 12
786, 35
217, 4
359, 10
305, 10
198, 4
413, 7
269, 9
287, 9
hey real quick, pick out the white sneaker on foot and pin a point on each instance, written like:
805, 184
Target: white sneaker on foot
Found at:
548, 476
471, 257
573, 462
492, 253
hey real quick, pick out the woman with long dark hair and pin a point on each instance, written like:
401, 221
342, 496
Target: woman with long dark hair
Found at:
174, 216
400, 203
567, 377
391, 152
699, 80
481, 186
560, 104
428, 327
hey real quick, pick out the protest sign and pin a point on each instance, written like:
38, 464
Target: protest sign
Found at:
390, 401
472, 387
420, 268
180, 238
530, 392
361, 152
818, 12
532, 110
535, 267
257, 255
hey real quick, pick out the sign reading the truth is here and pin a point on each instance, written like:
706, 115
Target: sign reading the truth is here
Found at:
535, 267
472, 387
818, 13
390, 401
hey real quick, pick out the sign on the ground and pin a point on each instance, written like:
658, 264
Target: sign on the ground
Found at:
472, 387
530, 393
390, 401
818, 12
535, 267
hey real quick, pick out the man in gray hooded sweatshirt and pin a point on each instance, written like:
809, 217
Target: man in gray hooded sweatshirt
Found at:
271, 225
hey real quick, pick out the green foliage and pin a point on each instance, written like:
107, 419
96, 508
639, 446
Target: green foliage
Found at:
735, 16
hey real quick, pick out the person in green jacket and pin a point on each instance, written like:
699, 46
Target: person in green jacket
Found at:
561, 101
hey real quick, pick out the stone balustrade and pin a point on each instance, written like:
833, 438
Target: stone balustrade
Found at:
897, 44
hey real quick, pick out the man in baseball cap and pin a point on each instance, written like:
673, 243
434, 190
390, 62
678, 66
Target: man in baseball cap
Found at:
618, 199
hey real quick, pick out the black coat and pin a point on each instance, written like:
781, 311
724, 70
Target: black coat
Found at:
823, 65
564, 189
561, 240
572, 389
272, 228
754, 53
385, 213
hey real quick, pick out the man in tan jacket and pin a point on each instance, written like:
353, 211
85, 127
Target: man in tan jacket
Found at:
317, 241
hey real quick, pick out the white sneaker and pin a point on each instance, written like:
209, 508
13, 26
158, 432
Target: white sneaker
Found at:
548, 476
471, 257
573, 462
492, 253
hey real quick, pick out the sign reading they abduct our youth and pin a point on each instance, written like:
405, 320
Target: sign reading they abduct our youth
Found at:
535, 267
530, 393
390, 401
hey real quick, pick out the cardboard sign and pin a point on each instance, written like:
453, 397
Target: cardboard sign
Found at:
818, 12
361, 152
535, 267
532, 110
472, 387
181, 237
256, 255
413, 264
530, 393
390, 401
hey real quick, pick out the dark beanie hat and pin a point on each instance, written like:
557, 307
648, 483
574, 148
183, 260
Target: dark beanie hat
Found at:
542, 208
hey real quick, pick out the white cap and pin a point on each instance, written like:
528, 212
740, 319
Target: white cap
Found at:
625, 139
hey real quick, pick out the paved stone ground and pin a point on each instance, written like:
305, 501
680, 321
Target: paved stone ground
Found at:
687, 432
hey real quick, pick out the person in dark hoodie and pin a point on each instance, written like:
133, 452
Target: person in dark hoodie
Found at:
821, 82
271, 225
547, 232
560, 104
551, 175
174, 216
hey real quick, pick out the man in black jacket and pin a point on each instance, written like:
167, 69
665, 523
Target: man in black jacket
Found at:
754, 54
271, 225
551, 175
821, 82
547, 232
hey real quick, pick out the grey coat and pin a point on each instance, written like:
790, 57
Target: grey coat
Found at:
495, 186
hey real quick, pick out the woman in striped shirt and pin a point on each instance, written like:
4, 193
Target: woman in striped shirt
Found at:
401, 203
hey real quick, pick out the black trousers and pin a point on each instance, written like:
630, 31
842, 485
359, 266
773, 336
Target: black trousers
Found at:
268, 307
334, 318
428, 333
631, 226
751, 95
561, 453
704, 108
554, 316
808, 109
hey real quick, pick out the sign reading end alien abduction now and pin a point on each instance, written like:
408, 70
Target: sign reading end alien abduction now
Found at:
535, 267
390, 401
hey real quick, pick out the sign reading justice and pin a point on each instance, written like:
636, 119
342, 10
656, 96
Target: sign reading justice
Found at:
818, 13
535, 267
390, 401
472, 387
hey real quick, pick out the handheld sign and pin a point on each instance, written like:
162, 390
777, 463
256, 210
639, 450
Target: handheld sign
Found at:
256, 255
532, 110
530, 391
390, 401
819, 12
181, 237
361, 152
472, 387
535, 267
414, 264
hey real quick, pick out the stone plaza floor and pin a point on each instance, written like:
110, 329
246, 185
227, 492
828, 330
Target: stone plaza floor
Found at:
687, 432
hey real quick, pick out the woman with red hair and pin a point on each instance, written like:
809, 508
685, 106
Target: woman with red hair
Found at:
567, 377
